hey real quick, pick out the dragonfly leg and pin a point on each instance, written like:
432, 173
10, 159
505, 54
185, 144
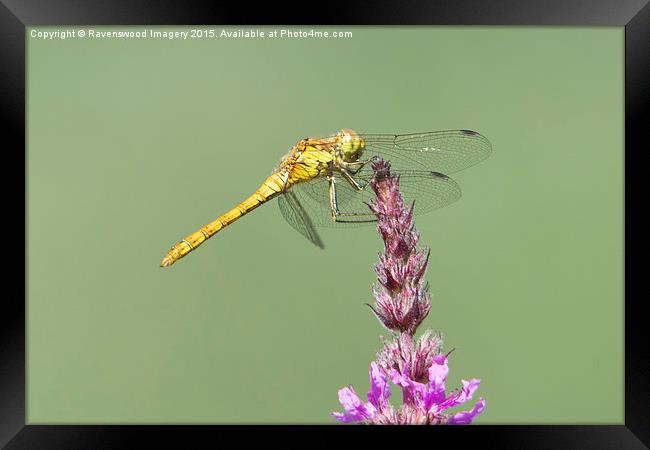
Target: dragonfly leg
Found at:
334, 207
338, 216
355, 167
354, 183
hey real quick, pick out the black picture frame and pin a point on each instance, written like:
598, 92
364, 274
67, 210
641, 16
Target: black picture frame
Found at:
16, 15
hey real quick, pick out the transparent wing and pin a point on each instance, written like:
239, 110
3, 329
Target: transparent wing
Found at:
445, 152
294, 213
429, 190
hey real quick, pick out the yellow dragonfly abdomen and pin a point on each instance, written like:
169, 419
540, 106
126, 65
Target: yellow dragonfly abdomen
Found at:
305, 161
272, 187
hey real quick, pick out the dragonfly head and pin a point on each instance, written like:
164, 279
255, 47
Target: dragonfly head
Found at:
352, 145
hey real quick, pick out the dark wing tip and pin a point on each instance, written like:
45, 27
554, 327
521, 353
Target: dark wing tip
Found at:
486, 141
439, 175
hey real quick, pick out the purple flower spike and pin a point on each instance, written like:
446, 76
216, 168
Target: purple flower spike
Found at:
402, 302
402, 299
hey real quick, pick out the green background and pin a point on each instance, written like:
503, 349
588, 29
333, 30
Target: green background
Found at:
133, 144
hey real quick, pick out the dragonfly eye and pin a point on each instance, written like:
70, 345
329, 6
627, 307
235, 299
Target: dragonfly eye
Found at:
351, 145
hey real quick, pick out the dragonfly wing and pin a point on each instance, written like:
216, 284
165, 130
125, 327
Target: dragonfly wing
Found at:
294, 213
445, 152
429, 190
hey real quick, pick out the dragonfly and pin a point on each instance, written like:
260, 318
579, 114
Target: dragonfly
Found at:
325, 182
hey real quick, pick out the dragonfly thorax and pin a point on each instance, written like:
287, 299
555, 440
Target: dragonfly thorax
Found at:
351, 145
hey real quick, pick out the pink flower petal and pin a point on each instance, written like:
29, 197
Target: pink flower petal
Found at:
355, 409
469, 387
466, 417
344, 418
458, 398
399, 379
437, 379
379, 387
412, 391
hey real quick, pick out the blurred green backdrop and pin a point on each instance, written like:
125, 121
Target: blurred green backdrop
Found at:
134, 143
